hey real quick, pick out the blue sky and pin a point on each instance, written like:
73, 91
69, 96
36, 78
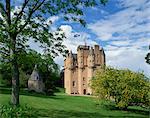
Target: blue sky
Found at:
122, 28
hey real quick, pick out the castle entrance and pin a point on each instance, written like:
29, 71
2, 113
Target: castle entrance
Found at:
84, 91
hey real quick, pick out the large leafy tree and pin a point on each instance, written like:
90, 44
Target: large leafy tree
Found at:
29, 22
123, 86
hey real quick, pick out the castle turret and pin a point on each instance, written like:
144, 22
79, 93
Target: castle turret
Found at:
70, 60
91, 58
90, 70
80, 57
97, 54
68, 72
80, 68
102, 53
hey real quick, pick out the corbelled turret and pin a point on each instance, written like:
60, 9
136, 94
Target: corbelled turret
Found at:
91, 51
70, 54
70, 60
102, 56
80, 57
91, 58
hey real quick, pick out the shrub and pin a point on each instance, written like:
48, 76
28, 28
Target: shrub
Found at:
8, 111
125, 87
23, 79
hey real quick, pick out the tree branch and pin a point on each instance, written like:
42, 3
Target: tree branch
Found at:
34, 9
8, 12
2, 8
20, 13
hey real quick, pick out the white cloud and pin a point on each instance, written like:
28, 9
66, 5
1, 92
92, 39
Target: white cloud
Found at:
52, 19
129, 21
60, 60
127, 33
129, 3
121, 43
1, 17
73, 39
125, 57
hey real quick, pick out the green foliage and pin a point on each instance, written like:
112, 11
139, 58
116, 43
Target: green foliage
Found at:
147, 58
123, 86
7, 111
23, 79
48, 69
28, 20
5, 72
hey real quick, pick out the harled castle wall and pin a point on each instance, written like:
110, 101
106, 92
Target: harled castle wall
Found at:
81, 67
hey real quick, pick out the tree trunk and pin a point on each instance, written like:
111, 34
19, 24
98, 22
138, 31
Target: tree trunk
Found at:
15, 70
15, 76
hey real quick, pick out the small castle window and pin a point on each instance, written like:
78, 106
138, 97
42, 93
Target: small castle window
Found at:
83, 79
73, 83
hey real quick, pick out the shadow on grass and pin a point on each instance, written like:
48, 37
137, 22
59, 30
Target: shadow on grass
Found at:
6, 90
51, 113
141, 111
78, 114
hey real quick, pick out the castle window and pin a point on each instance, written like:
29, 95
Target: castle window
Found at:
82, 70
73, 83
83, 79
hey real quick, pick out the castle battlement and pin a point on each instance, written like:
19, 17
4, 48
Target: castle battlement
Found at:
81, 67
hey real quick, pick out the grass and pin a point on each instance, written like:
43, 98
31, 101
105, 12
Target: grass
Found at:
65, 106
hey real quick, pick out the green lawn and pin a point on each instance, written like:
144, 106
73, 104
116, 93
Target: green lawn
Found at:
65, 106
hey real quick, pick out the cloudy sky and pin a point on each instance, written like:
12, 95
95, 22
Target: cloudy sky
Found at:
122, 28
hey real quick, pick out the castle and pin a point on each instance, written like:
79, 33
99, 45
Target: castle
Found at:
80, 68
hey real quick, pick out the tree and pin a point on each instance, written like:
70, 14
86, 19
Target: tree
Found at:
147, 58
29, 22
5, 72
48, 69
123, 86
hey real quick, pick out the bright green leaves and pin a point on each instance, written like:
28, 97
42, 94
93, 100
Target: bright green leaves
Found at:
123, 86
28, 21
